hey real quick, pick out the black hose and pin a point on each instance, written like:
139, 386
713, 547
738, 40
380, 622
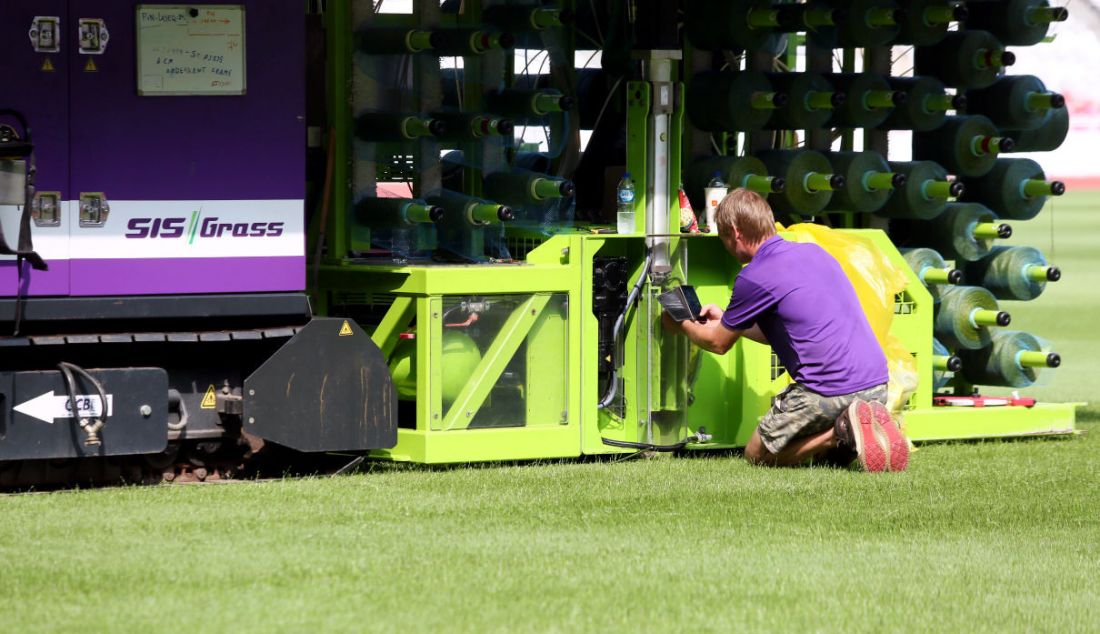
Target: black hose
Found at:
66, 368
70, 388
616, 331
645, 446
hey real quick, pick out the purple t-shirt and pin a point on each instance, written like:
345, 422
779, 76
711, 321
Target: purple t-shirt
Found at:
808, 310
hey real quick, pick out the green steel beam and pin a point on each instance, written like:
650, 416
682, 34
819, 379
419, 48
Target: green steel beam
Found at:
339, 53
429, 375
397, 318
493, 362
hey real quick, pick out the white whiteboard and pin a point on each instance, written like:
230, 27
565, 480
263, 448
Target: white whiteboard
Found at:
190, 50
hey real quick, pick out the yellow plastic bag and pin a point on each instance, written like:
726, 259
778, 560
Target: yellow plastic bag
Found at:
876, 281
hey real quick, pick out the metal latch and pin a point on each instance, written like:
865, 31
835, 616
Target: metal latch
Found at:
93, 209
93, 36
46, 209
45, 34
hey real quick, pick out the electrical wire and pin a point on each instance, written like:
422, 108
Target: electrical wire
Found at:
616, 332
700, 436
596, 21
606, 101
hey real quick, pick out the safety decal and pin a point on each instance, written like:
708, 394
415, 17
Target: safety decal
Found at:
345, 330
47, 66
209, 400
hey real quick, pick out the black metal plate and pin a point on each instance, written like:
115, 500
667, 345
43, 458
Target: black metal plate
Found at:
324, 391
27, 434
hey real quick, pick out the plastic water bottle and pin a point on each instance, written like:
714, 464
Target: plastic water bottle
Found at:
715, 191
624, 195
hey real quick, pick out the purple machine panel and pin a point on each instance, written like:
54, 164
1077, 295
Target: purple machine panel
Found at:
37, 85
205, 192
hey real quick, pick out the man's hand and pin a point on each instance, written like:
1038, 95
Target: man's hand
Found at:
710, 312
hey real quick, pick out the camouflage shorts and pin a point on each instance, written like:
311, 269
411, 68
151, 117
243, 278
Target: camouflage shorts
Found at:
797, 412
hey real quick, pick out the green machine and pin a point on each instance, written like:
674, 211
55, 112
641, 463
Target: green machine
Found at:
516, 326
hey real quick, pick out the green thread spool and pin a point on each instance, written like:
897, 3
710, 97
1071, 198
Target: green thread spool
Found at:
964, 59
1015, 22
1014, 273
473, 211
925, 107
471, 41
520, 188
1013, 359
925, 193
868, 100
944, 365
868, 181
396, 127
488, 214
808, 177
737, 171
395, 212
524, 18
468, 126
807, 17
964, 232
965, 317
1048, 137
1016, 188
390, 41
932, 270
926, 21
716, 25
966, 145
731, 101
810, 101
528, 105
1019, 102
866, 23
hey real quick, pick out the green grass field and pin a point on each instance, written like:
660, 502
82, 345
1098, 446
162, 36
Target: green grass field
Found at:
992, 536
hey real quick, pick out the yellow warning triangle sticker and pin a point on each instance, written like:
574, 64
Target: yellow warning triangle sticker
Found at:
209, 400
90, 66
47, 66
345, 330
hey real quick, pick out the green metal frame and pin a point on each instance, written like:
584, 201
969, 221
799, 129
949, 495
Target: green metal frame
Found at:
668, 390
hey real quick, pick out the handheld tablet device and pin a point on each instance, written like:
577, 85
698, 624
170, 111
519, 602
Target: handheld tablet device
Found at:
681, 303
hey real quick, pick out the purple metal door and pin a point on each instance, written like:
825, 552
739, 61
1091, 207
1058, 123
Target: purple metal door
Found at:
36, 83
205, 193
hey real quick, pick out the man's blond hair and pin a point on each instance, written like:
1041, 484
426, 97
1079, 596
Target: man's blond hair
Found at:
749, 213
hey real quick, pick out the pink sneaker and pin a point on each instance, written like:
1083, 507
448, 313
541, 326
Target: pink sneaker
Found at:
869, 444
898, 445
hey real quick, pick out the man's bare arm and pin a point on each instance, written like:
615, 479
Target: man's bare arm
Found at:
710, 335
755, 334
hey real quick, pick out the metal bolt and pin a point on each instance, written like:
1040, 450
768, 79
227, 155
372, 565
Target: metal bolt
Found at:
435, 416
533, 311
251, 421
435, 315
252, 392
146, 411
468, 414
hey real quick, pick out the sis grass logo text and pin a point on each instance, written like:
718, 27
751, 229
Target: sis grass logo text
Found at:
197, 226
